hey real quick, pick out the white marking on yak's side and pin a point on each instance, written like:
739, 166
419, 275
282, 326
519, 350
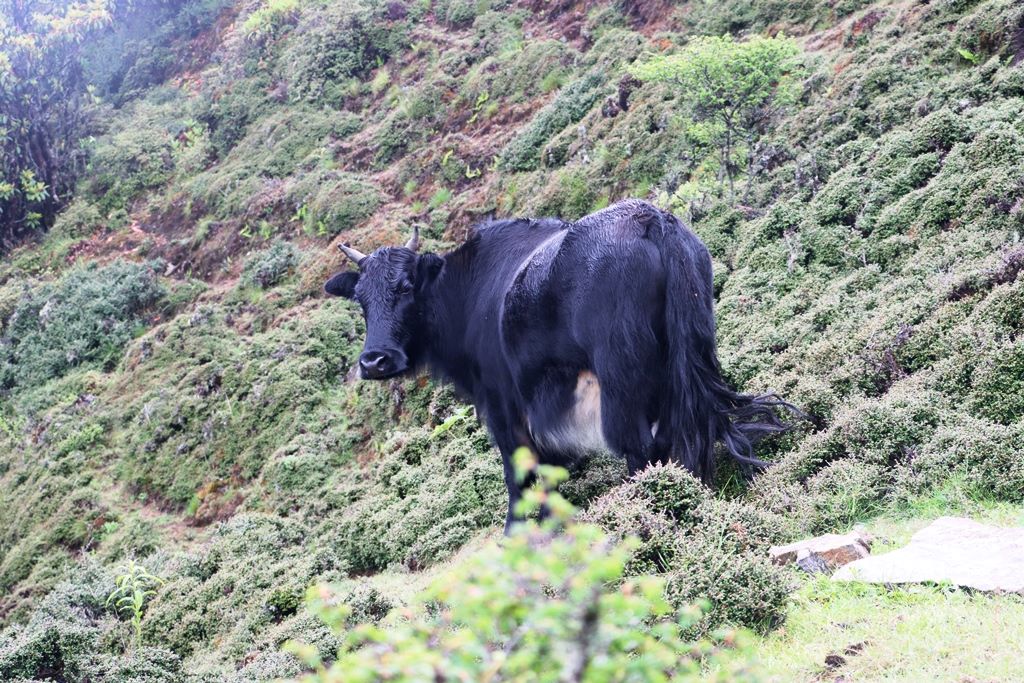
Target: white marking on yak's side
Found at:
580, 430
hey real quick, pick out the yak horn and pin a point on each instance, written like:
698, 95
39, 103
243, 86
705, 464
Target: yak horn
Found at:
414, 241
354, 254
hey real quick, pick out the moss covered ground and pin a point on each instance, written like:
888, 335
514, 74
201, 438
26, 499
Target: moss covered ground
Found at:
176, 389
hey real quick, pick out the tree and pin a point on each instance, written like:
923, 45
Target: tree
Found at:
736, 89
42, 97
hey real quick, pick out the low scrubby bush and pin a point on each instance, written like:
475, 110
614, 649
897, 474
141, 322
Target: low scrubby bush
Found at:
138, 156
271, 266
84, 318
626, 512
984, 456
738, 588
671, 489
523, 153
709, 549
72, 636
333, 201
425, 497
591, 478
248, 578
548, 600
338, 43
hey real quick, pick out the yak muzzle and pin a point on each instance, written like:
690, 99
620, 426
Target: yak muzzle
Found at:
378, 364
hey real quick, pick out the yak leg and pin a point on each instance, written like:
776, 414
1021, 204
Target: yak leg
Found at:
507, 445
507, 440
627, 431
627, 385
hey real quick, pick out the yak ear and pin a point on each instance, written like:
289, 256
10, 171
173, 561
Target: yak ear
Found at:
428, 267
343, 284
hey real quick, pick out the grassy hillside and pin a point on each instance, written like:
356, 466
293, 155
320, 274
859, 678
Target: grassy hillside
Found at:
176, 389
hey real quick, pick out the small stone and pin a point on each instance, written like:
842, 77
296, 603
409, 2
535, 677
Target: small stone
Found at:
950, 549
823, 553
812, 563
834, 661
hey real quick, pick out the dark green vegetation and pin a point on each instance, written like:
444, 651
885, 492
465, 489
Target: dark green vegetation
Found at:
554, 598
174, 387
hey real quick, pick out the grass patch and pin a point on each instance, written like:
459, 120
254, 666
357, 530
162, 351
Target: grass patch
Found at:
919, 633
909, 633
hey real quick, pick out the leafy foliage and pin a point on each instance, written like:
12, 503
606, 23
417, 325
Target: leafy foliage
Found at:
271, 265
550, 603
569, 106
342, 42
42, 95
709, 550
737, 89
132, 590
68, 638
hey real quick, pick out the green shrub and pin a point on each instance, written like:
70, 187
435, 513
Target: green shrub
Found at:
137, 155
709, 72
270, 19
85, 318
671, 490
740, 588
570, 194
571, 104
366, 605
709, 550
546, 600
78, 219
333, 45
592, 478
426, 497
140, 665
229, 115
215, 406
723, 559
335, 201
250, 577
284, 603
278, 145
513, 74
456, 12
626, 512
997, 390
499, 31
841, 493
62, 634
271, 266
986, 457
738, 17
149, 68
133, 588
71, 636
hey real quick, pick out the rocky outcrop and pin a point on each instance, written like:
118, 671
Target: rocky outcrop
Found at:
823, 553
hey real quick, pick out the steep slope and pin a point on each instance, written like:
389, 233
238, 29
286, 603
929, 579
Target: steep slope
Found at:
203, 418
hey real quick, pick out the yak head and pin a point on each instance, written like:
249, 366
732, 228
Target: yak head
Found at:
391, 285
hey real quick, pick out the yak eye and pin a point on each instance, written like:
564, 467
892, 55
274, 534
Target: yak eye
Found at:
405, 287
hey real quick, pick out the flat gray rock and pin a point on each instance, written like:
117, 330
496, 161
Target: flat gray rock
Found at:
950, 549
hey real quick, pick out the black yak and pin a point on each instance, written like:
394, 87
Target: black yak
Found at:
568, 337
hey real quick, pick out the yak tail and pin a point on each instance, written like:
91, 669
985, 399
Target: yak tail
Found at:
700, 409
